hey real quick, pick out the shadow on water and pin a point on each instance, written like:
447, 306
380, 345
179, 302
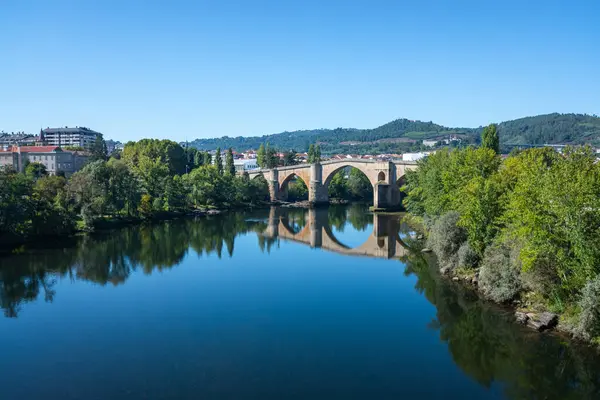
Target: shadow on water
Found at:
481, 337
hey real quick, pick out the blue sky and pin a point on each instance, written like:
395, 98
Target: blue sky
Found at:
188, 69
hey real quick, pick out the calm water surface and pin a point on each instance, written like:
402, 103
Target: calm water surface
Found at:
274, 304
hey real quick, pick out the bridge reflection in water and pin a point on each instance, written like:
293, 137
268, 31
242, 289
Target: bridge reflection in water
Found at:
314, 230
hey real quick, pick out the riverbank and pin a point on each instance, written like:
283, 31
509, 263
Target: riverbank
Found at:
526, 310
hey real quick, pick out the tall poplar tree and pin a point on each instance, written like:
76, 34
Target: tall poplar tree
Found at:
219, 161
490, 139
229, 165
260, 156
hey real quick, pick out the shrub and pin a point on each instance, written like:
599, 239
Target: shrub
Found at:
445, 238
589, 319
499, 276
467, 257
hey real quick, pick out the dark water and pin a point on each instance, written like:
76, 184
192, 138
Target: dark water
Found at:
327, 304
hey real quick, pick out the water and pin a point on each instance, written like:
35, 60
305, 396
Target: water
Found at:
240, 306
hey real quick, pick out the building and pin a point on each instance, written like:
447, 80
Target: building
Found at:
245, 165
414, 156
53, 158
18, 139
69, 137
430, 143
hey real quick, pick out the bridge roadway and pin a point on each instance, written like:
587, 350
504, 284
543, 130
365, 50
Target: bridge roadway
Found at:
386, 178
383, 242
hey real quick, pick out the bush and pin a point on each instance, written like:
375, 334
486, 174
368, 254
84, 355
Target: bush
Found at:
589, 319
445, 238
499, 276
467, 257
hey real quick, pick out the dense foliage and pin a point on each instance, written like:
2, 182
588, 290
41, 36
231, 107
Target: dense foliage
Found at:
533, 218
149, 180
404, 135
350, 184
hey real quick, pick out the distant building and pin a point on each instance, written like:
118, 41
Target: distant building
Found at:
18, 139
69, 137
53, 158
414, 156
245, 165
430, 143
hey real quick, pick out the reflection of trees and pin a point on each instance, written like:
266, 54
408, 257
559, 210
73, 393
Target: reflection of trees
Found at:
358, 217
487, 345
336, 217
112, 257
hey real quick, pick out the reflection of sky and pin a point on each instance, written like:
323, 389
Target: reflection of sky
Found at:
295, 321
350, 236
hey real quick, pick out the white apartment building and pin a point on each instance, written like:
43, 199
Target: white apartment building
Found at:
64, 137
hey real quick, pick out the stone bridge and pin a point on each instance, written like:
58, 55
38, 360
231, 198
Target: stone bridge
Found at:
385, 177
383, 242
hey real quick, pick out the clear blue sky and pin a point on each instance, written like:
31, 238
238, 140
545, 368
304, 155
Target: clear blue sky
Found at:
187, 69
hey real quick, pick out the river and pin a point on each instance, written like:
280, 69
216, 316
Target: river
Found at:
272, 304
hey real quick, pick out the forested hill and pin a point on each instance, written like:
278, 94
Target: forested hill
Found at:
403, 134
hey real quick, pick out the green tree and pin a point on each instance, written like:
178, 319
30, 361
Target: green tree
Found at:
311, 154
289, 158
35, 170
317, 154
261, 156
219, 161
490, 139
359, 186
271, 158
99, 151
229, 165
338, 187
207, 158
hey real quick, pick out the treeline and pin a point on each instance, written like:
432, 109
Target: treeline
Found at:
151, 178
527, 225
404, 135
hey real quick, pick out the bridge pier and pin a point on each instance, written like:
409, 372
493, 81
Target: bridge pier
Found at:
386, 197
317, 192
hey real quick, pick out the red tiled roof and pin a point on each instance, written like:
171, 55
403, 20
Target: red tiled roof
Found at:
31, 149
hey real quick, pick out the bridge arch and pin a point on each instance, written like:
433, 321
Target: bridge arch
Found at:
329, 171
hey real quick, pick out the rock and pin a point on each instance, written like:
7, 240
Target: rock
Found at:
213, 212
455, 279
548, 319
420, 237
445, 270
475, 280
543, 321
425, 250
521, 317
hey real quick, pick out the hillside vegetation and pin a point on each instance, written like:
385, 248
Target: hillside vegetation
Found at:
406, 135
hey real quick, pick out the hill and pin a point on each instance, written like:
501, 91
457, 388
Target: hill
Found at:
405, 135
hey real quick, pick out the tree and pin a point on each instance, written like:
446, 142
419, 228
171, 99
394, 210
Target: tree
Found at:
359, 186
261, 156
219, 161
99, 151
317, 157
490, 139
338, 187
35, 170
207, 158
311, 154
271, 158
198, 159
230, 166
289, 158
